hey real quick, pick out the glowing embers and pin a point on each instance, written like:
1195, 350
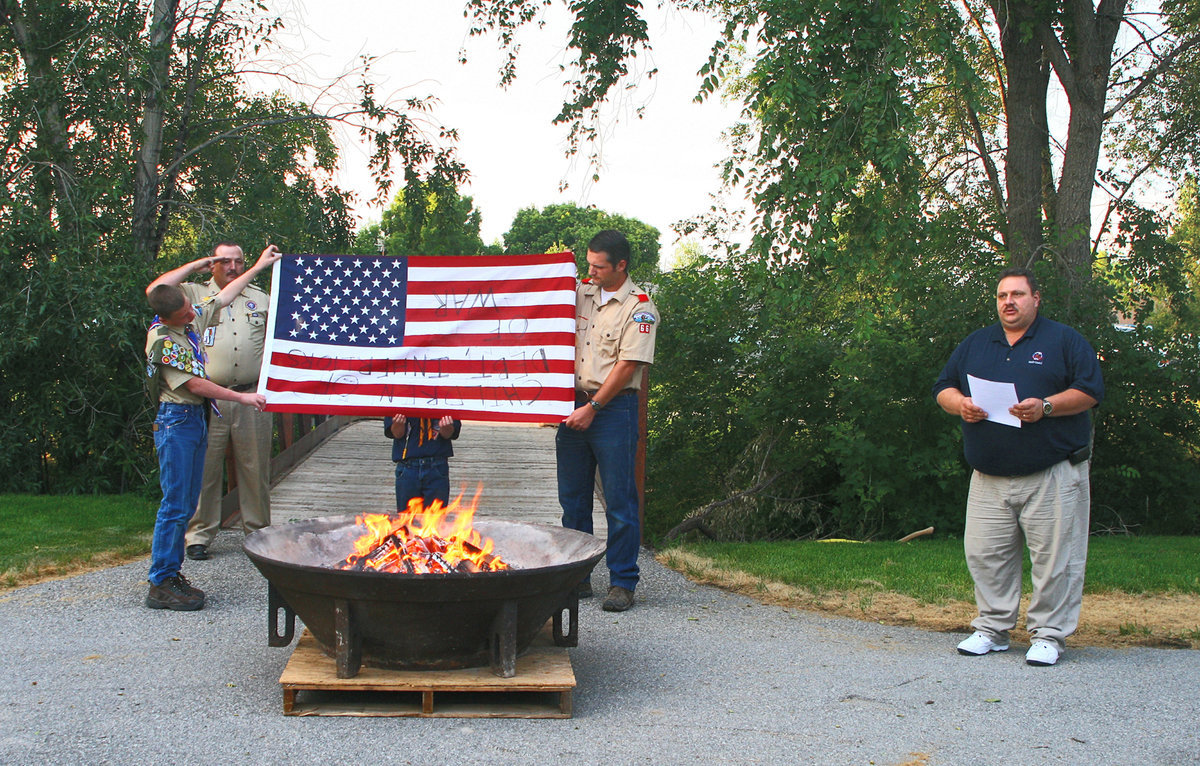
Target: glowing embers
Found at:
437, 540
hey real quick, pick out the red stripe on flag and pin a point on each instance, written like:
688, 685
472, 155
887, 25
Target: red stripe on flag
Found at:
466, 394
488, 286
488, 261
481, 367
488, 313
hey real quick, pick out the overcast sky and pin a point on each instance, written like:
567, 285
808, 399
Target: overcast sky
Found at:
658, 169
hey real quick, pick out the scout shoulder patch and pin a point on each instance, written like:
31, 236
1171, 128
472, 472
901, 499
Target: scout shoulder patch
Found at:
643, 298
644, 317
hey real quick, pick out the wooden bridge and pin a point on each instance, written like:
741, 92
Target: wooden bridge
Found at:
352, 472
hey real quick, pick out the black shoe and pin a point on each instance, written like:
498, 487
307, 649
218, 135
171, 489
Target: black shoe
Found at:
618, 600
175, 594
197, 552
584, 589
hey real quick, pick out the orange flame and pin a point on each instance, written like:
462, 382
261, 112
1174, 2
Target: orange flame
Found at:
423, 540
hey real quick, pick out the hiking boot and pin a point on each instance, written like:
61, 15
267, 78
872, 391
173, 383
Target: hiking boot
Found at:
187, 586
584, 589
618, 600
979, 644
175, 594
197, 552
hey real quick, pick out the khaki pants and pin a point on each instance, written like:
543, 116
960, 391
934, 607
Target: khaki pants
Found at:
1051, 510
250, 432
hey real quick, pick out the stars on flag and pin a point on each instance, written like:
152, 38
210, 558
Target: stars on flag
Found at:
344, 301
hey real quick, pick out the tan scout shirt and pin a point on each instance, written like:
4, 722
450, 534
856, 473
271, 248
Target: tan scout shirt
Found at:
234, 346
621, 330
169, 355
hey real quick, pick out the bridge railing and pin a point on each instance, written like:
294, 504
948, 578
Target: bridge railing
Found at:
296, 436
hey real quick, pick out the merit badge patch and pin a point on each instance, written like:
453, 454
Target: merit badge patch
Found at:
251, 305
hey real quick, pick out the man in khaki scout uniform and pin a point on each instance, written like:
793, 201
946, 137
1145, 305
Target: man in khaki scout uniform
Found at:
234, 348
614, 340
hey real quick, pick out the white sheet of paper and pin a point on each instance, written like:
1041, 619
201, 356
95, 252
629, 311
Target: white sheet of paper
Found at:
994, 398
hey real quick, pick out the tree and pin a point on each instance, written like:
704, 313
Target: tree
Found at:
126, 135
924, 94
896, 154
569, 226
426, 220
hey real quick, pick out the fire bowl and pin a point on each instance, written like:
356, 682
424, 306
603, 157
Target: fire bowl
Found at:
428, 621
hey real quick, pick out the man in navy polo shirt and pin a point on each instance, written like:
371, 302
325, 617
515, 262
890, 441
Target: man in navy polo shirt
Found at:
1030, 479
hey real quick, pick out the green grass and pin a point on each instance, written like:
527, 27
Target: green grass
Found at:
934, 571
43, 533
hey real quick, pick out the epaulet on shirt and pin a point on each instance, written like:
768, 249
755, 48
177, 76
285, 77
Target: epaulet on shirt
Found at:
643, 298
586, 280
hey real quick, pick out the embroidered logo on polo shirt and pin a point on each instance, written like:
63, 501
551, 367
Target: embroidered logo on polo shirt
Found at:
1037, 357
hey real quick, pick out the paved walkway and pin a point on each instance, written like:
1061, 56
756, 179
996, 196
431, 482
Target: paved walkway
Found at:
691, 675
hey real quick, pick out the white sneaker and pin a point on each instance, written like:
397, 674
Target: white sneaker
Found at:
1042, 652
979, 644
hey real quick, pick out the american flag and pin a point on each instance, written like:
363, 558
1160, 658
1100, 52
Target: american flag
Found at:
485, 337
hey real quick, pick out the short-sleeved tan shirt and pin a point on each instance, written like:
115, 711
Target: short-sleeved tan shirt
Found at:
234, 345
170, 356
623, 329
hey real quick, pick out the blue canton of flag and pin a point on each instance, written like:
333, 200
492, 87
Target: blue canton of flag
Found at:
339, 300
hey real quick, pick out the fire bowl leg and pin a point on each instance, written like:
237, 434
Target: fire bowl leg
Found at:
275, 603
348, 649
571, 609
504, 641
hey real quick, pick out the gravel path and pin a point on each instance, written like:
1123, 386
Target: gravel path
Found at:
690, 675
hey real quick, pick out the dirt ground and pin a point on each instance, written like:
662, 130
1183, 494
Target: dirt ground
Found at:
1108, 620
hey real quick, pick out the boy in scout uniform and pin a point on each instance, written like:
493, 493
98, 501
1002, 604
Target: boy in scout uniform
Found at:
614, 340
175, 365
233, 348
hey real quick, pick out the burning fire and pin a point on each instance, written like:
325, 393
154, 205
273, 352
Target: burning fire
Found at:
436, 540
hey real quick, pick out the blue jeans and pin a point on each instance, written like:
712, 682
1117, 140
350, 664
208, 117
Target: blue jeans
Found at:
425, 477
610, 443
180, 438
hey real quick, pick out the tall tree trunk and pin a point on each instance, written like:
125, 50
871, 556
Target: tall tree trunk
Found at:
146, 175
1083, 66
1028, 77
45, 86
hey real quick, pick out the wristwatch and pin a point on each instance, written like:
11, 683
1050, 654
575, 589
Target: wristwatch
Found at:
1047, 407
595, 404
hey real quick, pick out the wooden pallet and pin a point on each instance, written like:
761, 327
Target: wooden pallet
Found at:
541, 688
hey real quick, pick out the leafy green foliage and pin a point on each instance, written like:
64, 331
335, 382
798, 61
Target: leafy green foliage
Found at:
570, 227
128, 144
424, 220
897, 156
